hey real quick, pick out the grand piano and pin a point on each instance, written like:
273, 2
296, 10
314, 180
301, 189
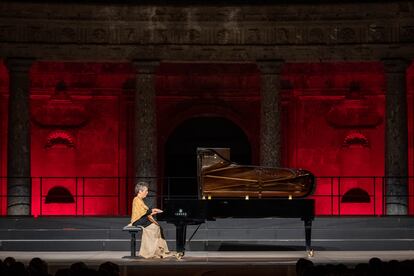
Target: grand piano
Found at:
230, 190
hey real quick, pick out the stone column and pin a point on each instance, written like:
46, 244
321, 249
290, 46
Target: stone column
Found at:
145, 139
396, 137
270, 148
19, 188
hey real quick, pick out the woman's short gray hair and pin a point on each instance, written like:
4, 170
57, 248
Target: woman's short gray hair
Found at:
141, 186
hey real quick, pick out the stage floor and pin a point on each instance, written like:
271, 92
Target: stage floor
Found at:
211, 263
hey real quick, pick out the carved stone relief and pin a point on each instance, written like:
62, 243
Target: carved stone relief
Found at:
407, 34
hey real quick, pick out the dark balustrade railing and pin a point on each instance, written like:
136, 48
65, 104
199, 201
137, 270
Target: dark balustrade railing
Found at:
112, 196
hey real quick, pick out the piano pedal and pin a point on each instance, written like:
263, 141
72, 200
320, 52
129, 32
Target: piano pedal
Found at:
310, 252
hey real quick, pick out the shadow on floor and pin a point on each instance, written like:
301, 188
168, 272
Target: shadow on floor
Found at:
262, 247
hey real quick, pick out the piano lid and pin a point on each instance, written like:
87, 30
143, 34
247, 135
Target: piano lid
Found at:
219, 177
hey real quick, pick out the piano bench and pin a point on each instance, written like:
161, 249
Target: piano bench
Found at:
133, 230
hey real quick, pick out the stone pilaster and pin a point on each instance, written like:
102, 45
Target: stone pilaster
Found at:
145, 139
270, 134
396, 137
19, 186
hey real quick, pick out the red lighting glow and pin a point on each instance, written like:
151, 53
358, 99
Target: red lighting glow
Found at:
82, 128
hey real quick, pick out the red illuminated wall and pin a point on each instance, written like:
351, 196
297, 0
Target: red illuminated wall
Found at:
79, 131
185, 91
332, 125
333, 121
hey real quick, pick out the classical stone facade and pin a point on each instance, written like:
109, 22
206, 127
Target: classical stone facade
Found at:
265, 35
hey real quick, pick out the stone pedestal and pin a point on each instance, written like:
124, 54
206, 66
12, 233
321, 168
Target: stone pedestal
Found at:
18, 144
396, 137
145, 139
270, 151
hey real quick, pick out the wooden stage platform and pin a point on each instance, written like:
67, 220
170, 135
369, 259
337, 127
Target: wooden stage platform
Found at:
224, 247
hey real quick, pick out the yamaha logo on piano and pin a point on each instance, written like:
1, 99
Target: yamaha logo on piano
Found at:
180, 213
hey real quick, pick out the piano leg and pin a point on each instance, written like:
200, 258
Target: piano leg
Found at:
181, 234
308, 232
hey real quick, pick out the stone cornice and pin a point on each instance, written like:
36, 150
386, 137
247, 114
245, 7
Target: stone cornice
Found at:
314, 32
222, 53
123, 32
188, 12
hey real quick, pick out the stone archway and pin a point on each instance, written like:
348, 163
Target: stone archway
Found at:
180, 164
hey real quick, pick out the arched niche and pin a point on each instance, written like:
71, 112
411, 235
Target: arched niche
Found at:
59, 194
180, 165
356, 195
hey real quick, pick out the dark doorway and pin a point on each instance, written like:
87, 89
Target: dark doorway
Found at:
180, 151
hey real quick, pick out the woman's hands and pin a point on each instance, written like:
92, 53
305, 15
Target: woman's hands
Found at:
156, 211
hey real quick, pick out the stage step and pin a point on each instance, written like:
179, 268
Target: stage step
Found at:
268, 234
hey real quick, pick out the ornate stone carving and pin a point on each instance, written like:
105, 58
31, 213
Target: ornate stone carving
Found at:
98, 35
172, 33
161, 35
316, 35
347, 35
60, 137
67, 35
5, 32
355, 110
407, 34
157, 31
223, 36
253, 36
376, 33
355, 138
162, 13
128, 35
60, 111
282, 35
354, 113
194, 35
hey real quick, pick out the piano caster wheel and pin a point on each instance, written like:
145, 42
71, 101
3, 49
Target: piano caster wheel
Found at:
179, 255
311, 253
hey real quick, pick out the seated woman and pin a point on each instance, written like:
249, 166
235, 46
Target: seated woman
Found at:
153, 244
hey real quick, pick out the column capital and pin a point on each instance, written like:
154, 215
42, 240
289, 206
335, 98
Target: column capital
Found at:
270, 66
395, 65
18, 64
145, 66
